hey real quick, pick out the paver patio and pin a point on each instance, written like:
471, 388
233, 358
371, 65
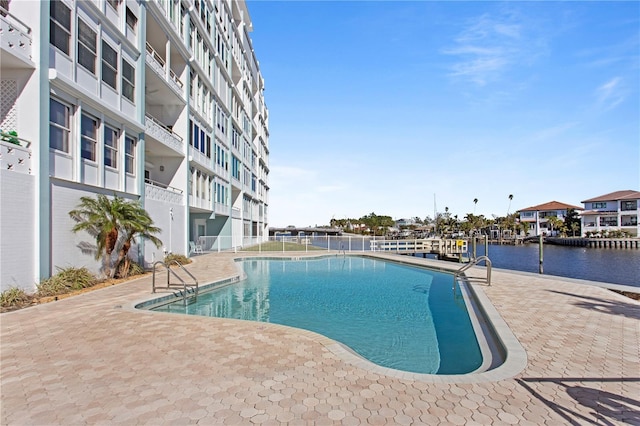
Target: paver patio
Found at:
91, 359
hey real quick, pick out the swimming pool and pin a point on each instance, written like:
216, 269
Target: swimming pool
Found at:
394, 315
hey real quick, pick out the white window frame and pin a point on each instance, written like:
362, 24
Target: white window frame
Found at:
65, 127
126, 82
112, 149
130, 144
131, 20
115, 4
57, 26
106, 64
83, 46
88, 139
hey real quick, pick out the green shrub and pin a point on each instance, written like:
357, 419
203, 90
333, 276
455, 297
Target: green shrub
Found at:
65, 281
15, 298
11, 137
181, 259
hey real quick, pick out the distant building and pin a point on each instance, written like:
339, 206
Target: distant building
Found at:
537, 216
614, 211
404, 222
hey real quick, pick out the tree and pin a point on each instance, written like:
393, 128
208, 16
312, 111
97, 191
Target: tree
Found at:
136, 223
509, 208
572, 221
108, 219
475, 203
554, 223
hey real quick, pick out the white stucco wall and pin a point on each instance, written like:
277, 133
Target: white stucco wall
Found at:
173, 233
69, 248
17, 231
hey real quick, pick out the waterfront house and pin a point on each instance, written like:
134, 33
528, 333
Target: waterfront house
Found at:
537, 217
612, 212
160, 101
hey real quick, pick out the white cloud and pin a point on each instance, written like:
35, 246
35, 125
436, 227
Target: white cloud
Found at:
554, 131
491, 45
611, 93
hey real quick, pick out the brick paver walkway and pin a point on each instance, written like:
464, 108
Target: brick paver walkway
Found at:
91, 359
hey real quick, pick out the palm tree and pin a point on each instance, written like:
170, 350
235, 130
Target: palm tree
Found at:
136, 223
106, 220
555, 223
509, 208
475, 202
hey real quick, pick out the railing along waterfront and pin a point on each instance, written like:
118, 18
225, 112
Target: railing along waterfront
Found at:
338, 243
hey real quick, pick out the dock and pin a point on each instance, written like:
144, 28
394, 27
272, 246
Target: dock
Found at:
446, 249
621, 243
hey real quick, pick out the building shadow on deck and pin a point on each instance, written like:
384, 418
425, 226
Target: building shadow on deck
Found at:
629, 309
607, 408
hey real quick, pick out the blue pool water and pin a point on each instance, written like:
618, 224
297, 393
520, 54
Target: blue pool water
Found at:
396, 316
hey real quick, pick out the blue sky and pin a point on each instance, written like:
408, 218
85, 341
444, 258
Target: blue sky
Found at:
378, 106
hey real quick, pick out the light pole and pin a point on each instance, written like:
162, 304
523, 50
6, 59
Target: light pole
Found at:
170, 223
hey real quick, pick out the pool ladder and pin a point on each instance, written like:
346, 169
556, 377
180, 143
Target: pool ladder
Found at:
474, 262
188, 291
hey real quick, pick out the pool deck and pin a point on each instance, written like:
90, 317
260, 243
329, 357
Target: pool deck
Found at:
93, 359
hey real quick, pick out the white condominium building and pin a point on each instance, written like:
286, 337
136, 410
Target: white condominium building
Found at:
160, 101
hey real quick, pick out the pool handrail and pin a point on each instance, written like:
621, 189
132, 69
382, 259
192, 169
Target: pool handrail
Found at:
170, 271
474, 262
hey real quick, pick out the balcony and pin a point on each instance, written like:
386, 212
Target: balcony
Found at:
163, 134
159, 67
15, 154
200, 159
15, 40
159, 192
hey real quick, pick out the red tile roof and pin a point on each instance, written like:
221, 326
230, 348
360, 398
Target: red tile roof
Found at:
629, 194
551, 205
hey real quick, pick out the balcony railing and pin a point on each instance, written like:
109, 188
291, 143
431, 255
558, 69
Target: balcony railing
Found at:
15, 154
158, 64
15, 36
160, 192
162, 133
200, 158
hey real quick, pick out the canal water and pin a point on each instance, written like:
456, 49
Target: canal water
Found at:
617, 266
607, 265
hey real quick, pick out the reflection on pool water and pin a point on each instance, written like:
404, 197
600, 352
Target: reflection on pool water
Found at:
394, 315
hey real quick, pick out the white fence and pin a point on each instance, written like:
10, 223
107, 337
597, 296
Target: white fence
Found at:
313, 243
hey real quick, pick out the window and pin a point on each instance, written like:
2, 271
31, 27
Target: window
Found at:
128, 80
132, 20
114, 4
628, 205
60, 26
110, 147
609, 221
109, 65
235, 167
87, 46
59, 129
598, 205
129, 154
88, 137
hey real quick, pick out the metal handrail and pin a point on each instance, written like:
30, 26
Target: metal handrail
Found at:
474, 262
169, 272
